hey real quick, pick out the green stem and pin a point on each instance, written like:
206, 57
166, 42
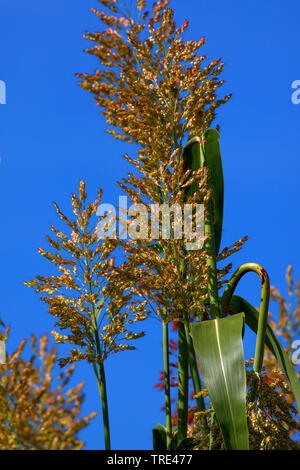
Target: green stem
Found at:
195, 375
167, 382
211, 438
211, 263
101, 383
183, 383
103, 395
263, 310
101, 380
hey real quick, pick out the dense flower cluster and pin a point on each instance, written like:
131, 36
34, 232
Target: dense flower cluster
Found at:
286, 323
94, 317
152, 85
271, 417
37, 410
155, 91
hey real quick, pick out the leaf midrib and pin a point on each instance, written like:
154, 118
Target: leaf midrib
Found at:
224, 375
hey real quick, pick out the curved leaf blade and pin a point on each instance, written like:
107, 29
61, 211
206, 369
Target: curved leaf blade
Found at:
219, 348
195, 156
271, 341
216, 180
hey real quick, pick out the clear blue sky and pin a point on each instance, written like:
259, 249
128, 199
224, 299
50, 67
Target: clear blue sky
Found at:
52, 135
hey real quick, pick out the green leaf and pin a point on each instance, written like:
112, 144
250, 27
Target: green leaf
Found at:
219, 348
216, 180
159, 437
174, 442
251, 316
186, 444
195, 156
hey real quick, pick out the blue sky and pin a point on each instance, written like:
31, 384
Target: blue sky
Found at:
52, 135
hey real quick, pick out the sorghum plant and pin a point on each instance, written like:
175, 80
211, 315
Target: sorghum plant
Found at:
155, 91
94, 319
154, 88
35, 413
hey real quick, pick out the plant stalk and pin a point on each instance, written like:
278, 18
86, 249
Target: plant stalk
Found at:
195, 375
103, 395
101, 383
167, 382
101, 380
211, 438
183, 383
210, 246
